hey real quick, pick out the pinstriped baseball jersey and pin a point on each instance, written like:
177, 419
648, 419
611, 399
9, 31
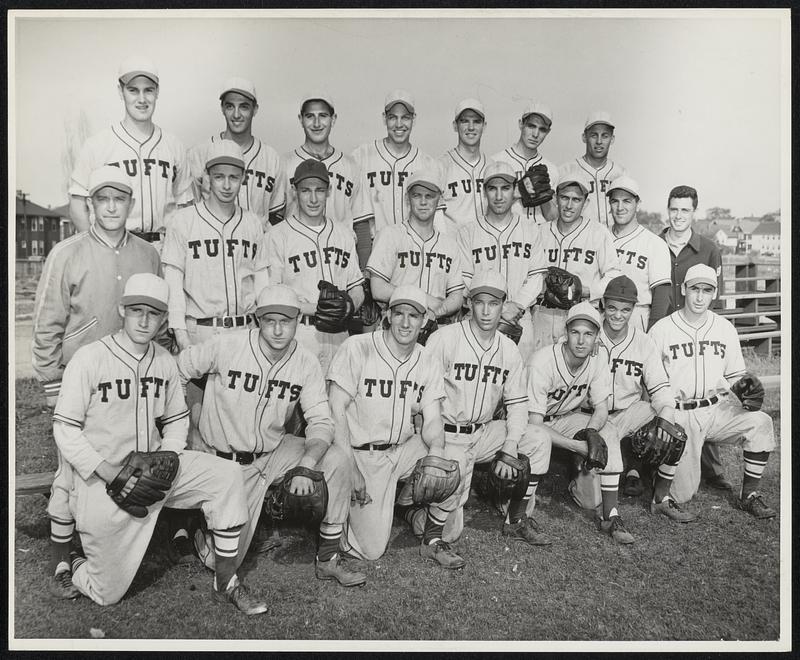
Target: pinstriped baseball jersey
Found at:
635, 365
300, 256
263, 189
644, 257
116, 398
463, 201
248, 398
554, 390
587, 251
157, 168
514, 250
218, 259
386, 392
522, 165
401, 256
597, 207
700, 361
344, 180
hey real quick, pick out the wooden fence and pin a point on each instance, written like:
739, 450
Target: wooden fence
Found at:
754, 305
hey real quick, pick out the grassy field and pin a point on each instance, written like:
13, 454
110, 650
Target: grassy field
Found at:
717, 579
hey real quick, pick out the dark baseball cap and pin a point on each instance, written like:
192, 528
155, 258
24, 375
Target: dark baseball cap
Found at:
621, 288
311, 169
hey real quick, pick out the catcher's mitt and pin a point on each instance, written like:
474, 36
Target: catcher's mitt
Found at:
598, 450
534, 186
749, 390
427, 330
659, 442
504, 489
285, 505
434, 479
335, 308
511, 330
562, 288
144, 479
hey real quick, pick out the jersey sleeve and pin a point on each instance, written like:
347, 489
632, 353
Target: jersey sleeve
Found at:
433, 381
277, 200
50, 312
173, 252
534, 278
735, 366
600, 385
464, 241
199, 359
659, 266
195, 158
314, 403
345, 367
383, 257
182, 191
455, 278
608, 264
275, 253
176, 414
656, 379
515, 396
84, 163
354, 275
362, 204
538, 382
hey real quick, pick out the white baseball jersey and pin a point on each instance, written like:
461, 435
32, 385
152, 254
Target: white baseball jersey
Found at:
587, 251
522, 165
401, 256
157, 167
386, 392
263, 189
514, 250
597, 207
463, 200
248, 398
381, 189
701, 361
344, 181
644, 257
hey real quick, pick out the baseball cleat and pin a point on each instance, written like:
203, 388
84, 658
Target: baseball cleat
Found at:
755, 506
719, 481
239, 595
440, 552
526, 529
61, 585
669, 508
615, 528
632, 486
334, 569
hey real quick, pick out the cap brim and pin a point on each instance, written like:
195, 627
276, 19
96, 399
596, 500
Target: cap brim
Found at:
584, 317
407, 301
428, 185
475, 110
627, 190
285, 310
538, 114
567, 184
405, 104
701, 280
505, 177
225, 160
595, 123
243, 92
318, 99
134, 74
127, 301
492, 291
111, 184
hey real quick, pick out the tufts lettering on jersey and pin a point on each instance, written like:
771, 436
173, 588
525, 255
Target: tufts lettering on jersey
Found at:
704, 347
386, 178
211, 245
414, 258
337, 181
121, 388
513, 249
464, 187
381, 387
150, 167
628, 367
331, 255
575, 255
262, 180
275, 389
467, 372
562, 392
631, 258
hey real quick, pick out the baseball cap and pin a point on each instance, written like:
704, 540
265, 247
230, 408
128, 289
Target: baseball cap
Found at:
408, 294
241, 85
470, 104
137, 66
224, 152
540, 109
600, 117
427, 178
111, 176
277, 299
574, 179
318, 95
583, 311
311, 168
499, 169
488, 281
146, 289
399, 96
623, 289
624, 183
701, 273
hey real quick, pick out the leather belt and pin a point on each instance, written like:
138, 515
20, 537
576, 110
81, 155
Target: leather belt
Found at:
697, 403
149, 236
368, 447
469, 428
226, 321
241, 457
305, 319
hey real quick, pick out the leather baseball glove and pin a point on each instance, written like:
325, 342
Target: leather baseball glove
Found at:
534, 186
659, 442
144, 479
511, 330
426, 330
370, 310
562, 288
335, 308
750, 391
434, 479
504, 489
285, 505
598, 450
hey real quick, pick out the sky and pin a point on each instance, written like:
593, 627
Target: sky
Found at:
698, 98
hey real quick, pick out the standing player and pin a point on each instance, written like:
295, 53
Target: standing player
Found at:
309, 247
703, 357
596, 166
114, 390
154, 160
263, 188
317, 118
534, 127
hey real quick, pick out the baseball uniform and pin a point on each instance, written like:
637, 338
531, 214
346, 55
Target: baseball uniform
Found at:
463, 201
520, 165
597, 207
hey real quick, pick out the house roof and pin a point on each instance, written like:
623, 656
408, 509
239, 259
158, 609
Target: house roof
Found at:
33, 209
767, 229
62, 211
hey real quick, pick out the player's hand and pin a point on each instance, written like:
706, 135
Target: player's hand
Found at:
182, 338
512, 312
433, 303
301, 486
505, 471
359, 493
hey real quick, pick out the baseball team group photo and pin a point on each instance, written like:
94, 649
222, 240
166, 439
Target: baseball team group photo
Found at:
342, 350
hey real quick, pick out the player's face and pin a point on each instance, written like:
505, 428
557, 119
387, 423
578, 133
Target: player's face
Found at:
533, 130
486, 310
581, 337
311, 196
469, 127
141, 322
681, 213
239, 111
399, 121
277, 330
499, 195
598, 140
404, 324
617, 314
623, 207
139, 96
317, 121
111, 208
699, 297
225, 181
571, 201
423, 203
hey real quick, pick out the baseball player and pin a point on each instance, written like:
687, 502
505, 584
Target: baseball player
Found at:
703, 357
534, 126
256, 380
504, 241
643, 256
378, 382
263, 186
415, 252
114, 390
76, 304
596, 166
563, 378
317, 118
309, 247
579, 246
154, 160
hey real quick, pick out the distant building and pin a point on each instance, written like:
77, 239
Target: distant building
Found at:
743, 229
766, 238
37, 229
724, 239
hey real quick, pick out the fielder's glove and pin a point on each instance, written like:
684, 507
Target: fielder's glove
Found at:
426, 330
370, 310
511, 330
335, 308
749, 390
285, 505
659, 442
144, 479
598, 450
562, 288
434, 479
534, 186
505, 489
